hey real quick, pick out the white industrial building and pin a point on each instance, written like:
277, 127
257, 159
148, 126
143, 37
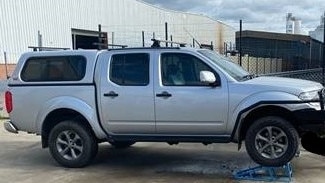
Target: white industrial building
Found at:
72, 23
318, 33
293, 24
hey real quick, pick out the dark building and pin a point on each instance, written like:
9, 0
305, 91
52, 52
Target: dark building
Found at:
296, 51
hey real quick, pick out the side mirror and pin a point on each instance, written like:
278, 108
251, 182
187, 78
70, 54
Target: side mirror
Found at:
207, 77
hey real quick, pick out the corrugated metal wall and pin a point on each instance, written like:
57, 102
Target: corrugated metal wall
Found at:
20, 21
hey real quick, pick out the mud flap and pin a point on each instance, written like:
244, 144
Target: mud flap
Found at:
313, 143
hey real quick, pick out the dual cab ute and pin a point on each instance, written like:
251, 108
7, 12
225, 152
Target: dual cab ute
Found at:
76, 99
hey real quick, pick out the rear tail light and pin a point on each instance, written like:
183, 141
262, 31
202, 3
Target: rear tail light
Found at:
8, 101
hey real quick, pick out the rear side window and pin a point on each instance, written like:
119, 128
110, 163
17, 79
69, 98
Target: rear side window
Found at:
130, 69
62, 68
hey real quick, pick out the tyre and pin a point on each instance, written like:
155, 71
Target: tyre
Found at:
271, 141
72, 145
121, 144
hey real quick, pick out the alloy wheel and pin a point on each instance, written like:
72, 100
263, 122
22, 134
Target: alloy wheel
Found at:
271, 142
69, 145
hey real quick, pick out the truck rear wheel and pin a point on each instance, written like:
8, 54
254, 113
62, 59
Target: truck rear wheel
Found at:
72, 145
271, 141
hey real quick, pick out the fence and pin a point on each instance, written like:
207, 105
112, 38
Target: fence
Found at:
264, 65
9, 57
309, 74
254, 65
279, 68
8, 63
258, 65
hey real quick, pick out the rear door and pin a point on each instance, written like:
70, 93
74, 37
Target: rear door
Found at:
126, 93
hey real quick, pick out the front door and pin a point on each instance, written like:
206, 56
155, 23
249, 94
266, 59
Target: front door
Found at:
183, 104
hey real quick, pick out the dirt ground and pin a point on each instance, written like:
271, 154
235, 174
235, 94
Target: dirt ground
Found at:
23, 160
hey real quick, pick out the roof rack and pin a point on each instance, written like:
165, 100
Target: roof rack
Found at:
41, 48
112, 45
156, 43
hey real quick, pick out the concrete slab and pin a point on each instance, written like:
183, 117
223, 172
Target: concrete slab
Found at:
23, 160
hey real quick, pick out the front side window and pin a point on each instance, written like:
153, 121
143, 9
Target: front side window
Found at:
57, 68
179, 69
130, 69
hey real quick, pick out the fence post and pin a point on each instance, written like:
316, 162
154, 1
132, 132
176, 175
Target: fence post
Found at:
264, 66
240, 41
6, 64
276, 65
142, 38
166, 33
248, 63
113, 38
323, 65
256, 65
99, 47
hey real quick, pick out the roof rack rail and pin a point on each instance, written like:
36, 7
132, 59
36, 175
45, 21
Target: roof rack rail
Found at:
41, 48
156, 43
112, 45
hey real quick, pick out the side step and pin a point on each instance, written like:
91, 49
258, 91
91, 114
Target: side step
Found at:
263, 173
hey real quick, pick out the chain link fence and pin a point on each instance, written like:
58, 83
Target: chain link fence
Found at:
310, 74
278, 67
258, 65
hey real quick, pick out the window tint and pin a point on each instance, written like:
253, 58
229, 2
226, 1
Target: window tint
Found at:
178, 69
130, 69
63, 68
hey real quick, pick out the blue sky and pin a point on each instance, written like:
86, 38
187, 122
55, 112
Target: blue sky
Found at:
263, 15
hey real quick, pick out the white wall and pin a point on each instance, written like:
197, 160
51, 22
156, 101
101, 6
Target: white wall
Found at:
21, 19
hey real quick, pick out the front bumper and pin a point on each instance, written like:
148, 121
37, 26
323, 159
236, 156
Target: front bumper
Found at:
10, 127
312, 120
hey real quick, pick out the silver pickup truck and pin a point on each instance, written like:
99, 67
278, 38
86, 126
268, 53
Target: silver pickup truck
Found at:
76, 99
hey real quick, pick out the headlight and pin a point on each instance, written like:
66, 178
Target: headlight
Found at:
311, 95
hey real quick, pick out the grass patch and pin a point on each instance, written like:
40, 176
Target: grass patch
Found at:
3, 117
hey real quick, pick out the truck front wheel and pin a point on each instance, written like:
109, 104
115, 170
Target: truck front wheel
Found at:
72, 145
271, 141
